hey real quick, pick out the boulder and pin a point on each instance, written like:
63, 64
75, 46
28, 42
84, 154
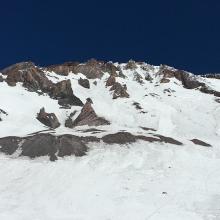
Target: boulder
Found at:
88, 117
84, 83
48, 119
119, 91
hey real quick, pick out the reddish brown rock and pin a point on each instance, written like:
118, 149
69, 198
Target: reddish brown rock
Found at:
32, 77
48, 119
88, 117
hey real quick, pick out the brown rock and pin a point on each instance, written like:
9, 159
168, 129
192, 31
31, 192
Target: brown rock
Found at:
164, 80
63, 69
84, 83
131, 65
119, 91
32, 77
64, 93
92, 69
89, 117
111, 81
48, 119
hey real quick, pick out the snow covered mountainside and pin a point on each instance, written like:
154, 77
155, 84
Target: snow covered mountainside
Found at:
130, 141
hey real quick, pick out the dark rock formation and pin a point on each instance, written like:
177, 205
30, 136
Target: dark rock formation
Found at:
63, 69
148, 77
32, 77
1, 79
119, 91
207, 90
110, 81
48, 119
9, 145
92, 69
64, 93
44, 145
39, 145
84, 83
71, 145
138, 78
168, 140
131, 65
88, 117
119, 138
199, 142
110, 68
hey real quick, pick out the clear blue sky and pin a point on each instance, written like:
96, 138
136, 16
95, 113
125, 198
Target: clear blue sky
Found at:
184, 34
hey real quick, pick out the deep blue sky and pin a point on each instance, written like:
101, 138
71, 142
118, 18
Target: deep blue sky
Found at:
180, 33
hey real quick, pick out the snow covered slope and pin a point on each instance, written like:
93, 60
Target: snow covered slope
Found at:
142, 180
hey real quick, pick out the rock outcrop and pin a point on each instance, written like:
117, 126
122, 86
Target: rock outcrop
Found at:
110, 81
32, 77
87, 116
84, 83
119, 91
63, 69
62, 91
48, 119
131, 65
44, 145
201, 143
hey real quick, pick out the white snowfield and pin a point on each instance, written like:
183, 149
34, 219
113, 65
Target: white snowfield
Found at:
140, 181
